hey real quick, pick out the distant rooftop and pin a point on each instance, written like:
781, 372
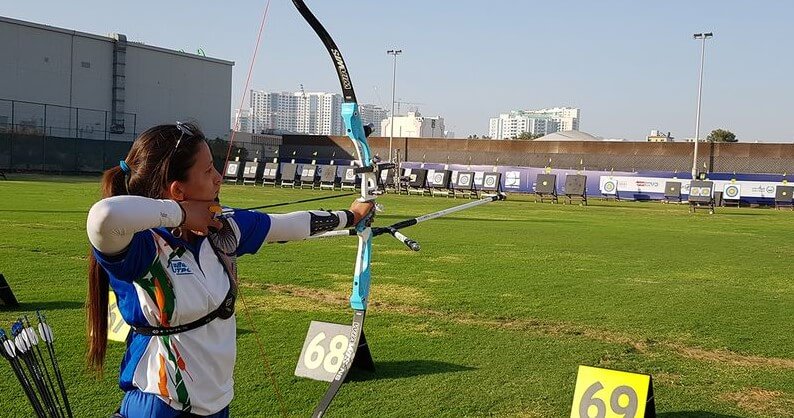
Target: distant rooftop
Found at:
568, 136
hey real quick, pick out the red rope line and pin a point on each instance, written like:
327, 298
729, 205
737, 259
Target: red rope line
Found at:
247, 81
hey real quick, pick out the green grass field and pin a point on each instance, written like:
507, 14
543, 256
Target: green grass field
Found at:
491, 318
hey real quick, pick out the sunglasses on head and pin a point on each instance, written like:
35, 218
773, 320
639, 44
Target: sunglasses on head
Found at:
184, 129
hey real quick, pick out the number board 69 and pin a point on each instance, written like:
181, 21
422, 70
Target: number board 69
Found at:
604, 393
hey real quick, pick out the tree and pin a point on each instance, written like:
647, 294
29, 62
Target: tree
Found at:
526, 136
722, 135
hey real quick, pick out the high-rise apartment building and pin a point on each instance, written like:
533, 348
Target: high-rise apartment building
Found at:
243, 122
308, 113
374, 115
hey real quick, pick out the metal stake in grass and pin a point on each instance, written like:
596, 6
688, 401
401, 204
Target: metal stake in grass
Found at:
34, 340
9, 351
46, 334
24, 348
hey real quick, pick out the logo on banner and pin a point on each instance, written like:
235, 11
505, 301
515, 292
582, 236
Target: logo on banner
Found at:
732, 191
513, 179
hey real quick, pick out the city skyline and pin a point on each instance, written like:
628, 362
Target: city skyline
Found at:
631, 67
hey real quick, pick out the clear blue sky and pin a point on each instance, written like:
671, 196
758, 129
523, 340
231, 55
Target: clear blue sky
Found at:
631, 66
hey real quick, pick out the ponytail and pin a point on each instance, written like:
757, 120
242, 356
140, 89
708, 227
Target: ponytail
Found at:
96, 305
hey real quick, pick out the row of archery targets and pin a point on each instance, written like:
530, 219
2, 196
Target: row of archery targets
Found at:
417, 181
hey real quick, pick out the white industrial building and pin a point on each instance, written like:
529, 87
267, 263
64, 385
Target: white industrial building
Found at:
537, 122
70, 83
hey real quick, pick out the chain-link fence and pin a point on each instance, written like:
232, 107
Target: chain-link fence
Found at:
52, 138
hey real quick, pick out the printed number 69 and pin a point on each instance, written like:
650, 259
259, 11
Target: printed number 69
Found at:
628, 411
315, 353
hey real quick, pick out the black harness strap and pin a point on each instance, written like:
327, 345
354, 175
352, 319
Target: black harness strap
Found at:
224, 311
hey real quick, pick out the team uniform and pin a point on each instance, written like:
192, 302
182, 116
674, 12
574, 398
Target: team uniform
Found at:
163, 283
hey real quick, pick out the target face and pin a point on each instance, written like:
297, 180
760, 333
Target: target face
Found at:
438, 178
694, 191
350, 174
513, 179
231, 169
490, 181
732, 191
609, 186
464, 179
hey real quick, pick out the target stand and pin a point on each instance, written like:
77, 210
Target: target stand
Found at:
491, 183
731, 194
439, 182
7, 298
417, 182
308, 176
348, 179
576, 188
784, 197
270, 175
701, 193
672, 192
546, 188
328, 177
251, 171
232, 171
463, 185
288, 175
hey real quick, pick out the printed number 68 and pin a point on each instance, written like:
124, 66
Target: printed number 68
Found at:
315, 353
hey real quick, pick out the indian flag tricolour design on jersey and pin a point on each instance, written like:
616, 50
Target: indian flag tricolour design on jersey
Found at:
159, 287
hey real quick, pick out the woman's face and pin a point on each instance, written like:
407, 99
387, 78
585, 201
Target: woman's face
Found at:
203, 180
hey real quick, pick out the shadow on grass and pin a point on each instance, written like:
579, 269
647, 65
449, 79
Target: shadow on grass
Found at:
693, 414
405, 368
31, 307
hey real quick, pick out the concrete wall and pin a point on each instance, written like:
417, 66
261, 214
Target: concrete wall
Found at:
618, 156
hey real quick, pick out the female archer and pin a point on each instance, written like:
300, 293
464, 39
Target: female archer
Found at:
171, 262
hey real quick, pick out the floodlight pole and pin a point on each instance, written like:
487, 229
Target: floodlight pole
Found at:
393, 52
703, 37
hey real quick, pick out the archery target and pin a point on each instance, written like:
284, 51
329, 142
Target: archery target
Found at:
784, 193
610, 186
328, 174
732, 192
439, 178
700, 191
232, 168
350, 175
575, 184
418, 178
673, 189
464, 179
546, 184
490, 181
288, 173
271, 170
